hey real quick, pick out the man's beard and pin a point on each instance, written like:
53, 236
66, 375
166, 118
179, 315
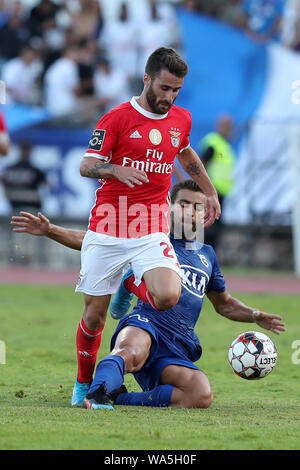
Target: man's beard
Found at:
156, 105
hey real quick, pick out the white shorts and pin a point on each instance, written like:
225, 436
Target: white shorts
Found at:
104, 259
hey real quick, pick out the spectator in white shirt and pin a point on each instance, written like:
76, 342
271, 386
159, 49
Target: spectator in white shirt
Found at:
62, 83
165, 12
119, 39
153, 33
111, 85
20, 76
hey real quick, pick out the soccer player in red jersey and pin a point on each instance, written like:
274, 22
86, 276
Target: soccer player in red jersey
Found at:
132, 153
4, 137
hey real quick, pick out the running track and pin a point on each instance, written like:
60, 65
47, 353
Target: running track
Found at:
21, 275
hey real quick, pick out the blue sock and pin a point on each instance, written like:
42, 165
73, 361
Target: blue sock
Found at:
159, 396
110, 372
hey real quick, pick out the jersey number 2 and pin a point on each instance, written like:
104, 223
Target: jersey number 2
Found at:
167, 250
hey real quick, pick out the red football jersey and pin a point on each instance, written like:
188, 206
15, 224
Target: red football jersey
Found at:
2, 123
128, 135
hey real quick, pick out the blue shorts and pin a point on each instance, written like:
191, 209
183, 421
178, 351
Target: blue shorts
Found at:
163, 351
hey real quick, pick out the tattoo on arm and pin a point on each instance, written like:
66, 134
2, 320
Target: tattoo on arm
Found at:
99, 170
193, 169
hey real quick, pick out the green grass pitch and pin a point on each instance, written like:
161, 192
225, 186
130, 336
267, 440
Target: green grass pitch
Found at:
38, 327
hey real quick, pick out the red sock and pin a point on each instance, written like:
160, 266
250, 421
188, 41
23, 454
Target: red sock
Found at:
140, 291
88, 343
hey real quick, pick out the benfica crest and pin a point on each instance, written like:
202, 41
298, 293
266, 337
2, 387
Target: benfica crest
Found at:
175, 138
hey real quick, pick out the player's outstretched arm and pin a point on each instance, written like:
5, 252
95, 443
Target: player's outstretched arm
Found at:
41, 226
194, 167
235, 310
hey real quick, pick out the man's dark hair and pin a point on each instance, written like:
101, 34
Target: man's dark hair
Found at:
166, 58
191, 185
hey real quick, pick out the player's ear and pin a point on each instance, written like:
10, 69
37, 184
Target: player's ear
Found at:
147, 80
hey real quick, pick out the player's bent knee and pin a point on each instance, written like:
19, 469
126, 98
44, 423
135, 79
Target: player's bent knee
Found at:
191, 397
167, 300
199, 401
198, 392
131, 357
94, 318
205, 401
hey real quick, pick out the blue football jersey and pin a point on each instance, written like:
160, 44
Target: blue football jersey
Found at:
200, 274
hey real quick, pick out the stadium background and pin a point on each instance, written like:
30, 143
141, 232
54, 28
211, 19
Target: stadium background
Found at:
230, 72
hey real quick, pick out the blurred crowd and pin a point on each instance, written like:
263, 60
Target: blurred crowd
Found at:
68, 57
263, 20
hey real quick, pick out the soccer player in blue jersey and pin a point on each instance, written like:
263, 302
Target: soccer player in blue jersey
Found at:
160, 348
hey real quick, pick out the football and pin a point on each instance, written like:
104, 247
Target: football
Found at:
252, 355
